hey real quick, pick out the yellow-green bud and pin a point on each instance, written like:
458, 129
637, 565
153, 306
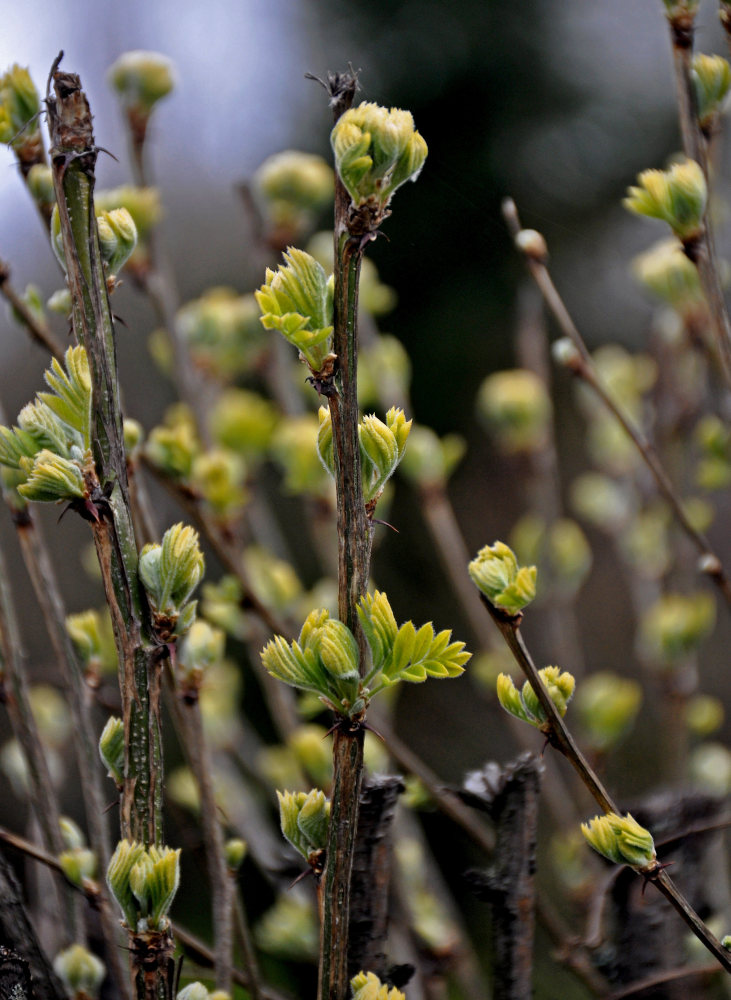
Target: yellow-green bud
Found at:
243, 421
81, 972
430, 460
235, 852
78, 864
201, 648
607, 705
291, 188
601, 501
117, 238
668, 273
621, 839
125, 857
218, 476
714, 467
382, 447
367, 986
111, 749
170, 573
524, 704
289, 930
142, 79
134, 434
274, 581
153, 881
19, 103
40, 184
142, 203
296, 299
704, 715
312, 751
376, 151
710, 768
52, 478
676, 624
496, 573
292, 446
517, 409
304, 818
678, 196
223, 332
711, 81
71, 833
60, 302
173, 445
93, 638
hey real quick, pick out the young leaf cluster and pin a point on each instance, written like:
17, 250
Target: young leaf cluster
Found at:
382, 446
325, 658
524, 704
144, 883
170, 572
50, 446
304, 818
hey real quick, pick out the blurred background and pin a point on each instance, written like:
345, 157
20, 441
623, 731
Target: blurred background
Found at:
557, 103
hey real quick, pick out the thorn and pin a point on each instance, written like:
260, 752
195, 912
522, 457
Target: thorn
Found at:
377, 520
300, 877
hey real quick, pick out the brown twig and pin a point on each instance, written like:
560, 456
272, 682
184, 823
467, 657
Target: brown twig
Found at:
583, 367
37, 327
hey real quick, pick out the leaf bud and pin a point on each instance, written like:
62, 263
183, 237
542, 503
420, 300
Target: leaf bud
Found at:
52, 478
200, 649
376, 151
496, 573
40, 185
622, 840
678, 196
291, 188
297, 300
81, 972
173, 445
234, 851
19, 107
142, 79
704, 715
669, 275
111, 749
244, 422
516, 408
304, 819
430, 460
117, 238
218, 477
170, 573
78, 865
676, 624
524, 704
607, 705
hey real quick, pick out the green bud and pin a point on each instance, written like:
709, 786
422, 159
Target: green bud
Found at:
78, 865
496, 573
289, 930
218, 477
142, 203
125, 857
173, 445
170, 573
710, 768
601, 501
117, 238
376, 299
676, 624
40, 184
296, 299
622, 840
304, 819
153, 881
52, 478
607, 705
704, 715
325, 446
202, 647
714, 466
71, 834
234, 851
142, 79
292, 446
429, 460
274, 581
667, 273
81, 972
244, 422
291, 189
711, 80
19, 103
93, 638
376, 151
516, 408
312, 752
60, 302
31, 298
678, 196
223, 332
367, 986
111, 749
382, 447
524, 704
